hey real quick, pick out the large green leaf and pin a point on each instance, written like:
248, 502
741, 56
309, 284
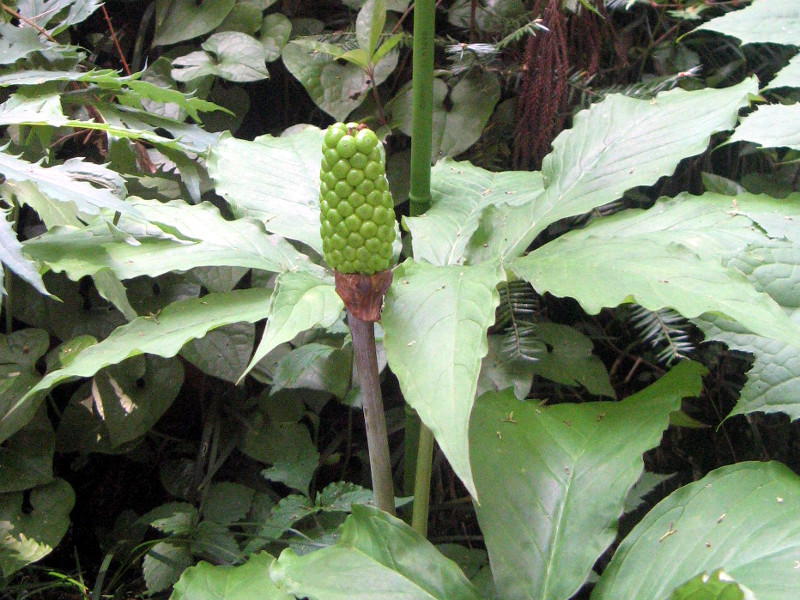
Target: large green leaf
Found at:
378, 557
121, 403
741, 518
613, 146
220, 582
274, 179
459, 114
788, 76
29, 533
180, 20
763, 22
14, 259
673, 255
60, 185
26, 459
212, 241
163, 334
19, 353
771, 126
552, 481
231, 55
435, 321
301, 301
715, 586
336, 87
460, 193
773, 383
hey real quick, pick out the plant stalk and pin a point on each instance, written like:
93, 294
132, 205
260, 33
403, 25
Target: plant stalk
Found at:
420, 200
380, 463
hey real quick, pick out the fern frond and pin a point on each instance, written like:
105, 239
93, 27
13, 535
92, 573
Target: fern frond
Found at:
527, 29
666, 331
516, 315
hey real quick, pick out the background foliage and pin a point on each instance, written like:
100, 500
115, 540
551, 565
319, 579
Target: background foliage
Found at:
598, 317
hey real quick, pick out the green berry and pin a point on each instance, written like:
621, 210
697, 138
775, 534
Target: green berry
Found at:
357, 221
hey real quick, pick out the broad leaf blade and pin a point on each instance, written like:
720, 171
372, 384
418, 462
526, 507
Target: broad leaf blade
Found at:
461, 192
275, 180
13, 257
163, 334
763, 22
673, 255
715, 586
741, 518
215, 242
221, 582
788, 76
369, 25
435, 321
552, 481
615, 145
772, 126
301, 301
378, 557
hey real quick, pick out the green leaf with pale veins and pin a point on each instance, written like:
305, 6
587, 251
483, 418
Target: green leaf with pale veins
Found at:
435, 321
613, 146
231, 55
378, 557
673, 255
273, 179
181, 20
300, 301
460, 193
763, 22
552, 481
212, 241
741, 518
251, 580
771, 126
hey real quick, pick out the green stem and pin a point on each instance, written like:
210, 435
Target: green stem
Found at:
420, 200
422, 109
380, 462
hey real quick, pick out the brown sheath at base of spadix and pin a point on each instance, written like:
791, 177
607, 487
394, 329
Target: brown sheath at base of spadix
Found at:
363, 294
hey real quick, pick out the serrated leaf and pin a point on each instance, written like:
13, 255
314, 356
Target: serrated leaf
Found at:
662, 258
227, 502
163, 564
300, 301
212, 241
763, 22
30, 533
435, 321
163, 334
13, 257
771, 126
231, 55
613, 146
338, 89
273, 179
251, 580
378, 557
60, 186
552, 481
460, 193
740, 518
180, 20
42, 12
459, 114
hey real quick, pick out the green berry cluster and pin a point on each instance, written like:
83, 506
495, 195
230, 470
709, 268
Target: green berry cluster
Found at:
356, 206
